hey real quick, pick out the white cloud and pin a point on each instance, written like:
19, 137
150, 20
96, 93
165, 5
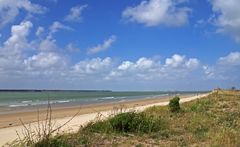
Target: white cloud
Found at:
102, 47
14, 57
233, 59
149, 69
75, 14
141, 64
17, 65
175, 61
144, 63
179, 61
9, 9
56, 26
227, 17
18, 34
47, 44
45, 60
227, 68
126, 65
192, 63
12, 51
93, 66
39, 31
157, 12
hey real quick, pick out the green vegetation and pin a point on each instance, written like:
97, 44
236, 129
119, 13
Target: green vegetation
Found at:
129, 122
174, 104
210, 121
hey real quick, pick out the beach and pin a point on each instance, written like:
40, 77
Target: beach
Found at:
10, 123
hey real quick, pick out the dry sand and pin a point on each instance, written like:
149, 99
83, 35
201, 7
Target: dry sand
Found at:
9, 123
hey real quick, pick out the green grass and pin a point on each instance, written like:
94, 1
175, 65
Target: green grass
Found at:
210, 121
129, 122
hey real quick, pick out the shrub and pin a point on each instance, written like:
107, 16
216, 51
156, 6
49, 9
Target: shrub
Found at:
130, 122
174, 104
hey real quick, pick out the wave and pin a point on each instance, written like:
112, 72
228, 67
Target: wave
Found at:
17, 105
30, 101
123, 97
63, 101
107, 98
36, 103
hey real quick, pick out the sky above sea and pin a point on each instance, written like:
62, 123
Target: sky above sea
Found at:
119, 44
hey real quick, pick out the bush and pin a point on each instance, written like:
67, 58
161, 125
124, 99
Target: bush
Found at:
130, 122
174, 104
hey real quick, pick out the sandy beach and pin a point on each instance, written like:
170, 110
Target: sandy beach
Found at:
10, 123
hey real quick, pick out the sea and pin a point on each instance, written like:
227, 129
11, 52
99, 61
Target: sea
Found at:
30, 98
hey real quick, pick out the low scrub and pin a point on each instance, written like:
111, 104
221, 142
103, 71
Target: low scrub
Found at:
201, 105
130, 122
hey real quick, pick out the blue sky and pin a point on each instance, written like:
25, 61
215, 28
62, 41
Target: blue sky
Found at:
120, 45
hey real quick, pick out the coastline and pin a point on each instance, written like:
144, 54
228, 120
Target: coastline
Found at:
10, 122
12, 118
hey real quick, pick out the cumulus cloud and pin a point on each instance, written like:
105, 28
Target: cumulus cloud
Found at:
18, 34
226, 68
157, 12
233, 59
141, 64
175, 61
181, 61
14, 55
12, 51
75, 14
93, 66
45, 60
227, 17
192, 63
47, 44
132, 70
149, 69
9, 9
102, 47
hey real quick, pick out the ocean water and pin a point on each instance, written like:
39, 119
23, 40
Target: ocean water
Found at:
24, 99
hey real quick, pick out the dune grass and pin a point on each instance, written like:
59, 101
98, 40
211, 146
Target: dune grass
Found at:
210, 121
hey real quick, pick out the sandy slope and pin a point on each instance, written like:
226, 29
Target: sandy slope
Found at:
9, 134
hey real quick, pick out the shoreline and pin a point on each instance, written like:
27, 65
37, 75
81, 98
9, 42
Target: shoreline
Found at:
13, 117
86, 114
